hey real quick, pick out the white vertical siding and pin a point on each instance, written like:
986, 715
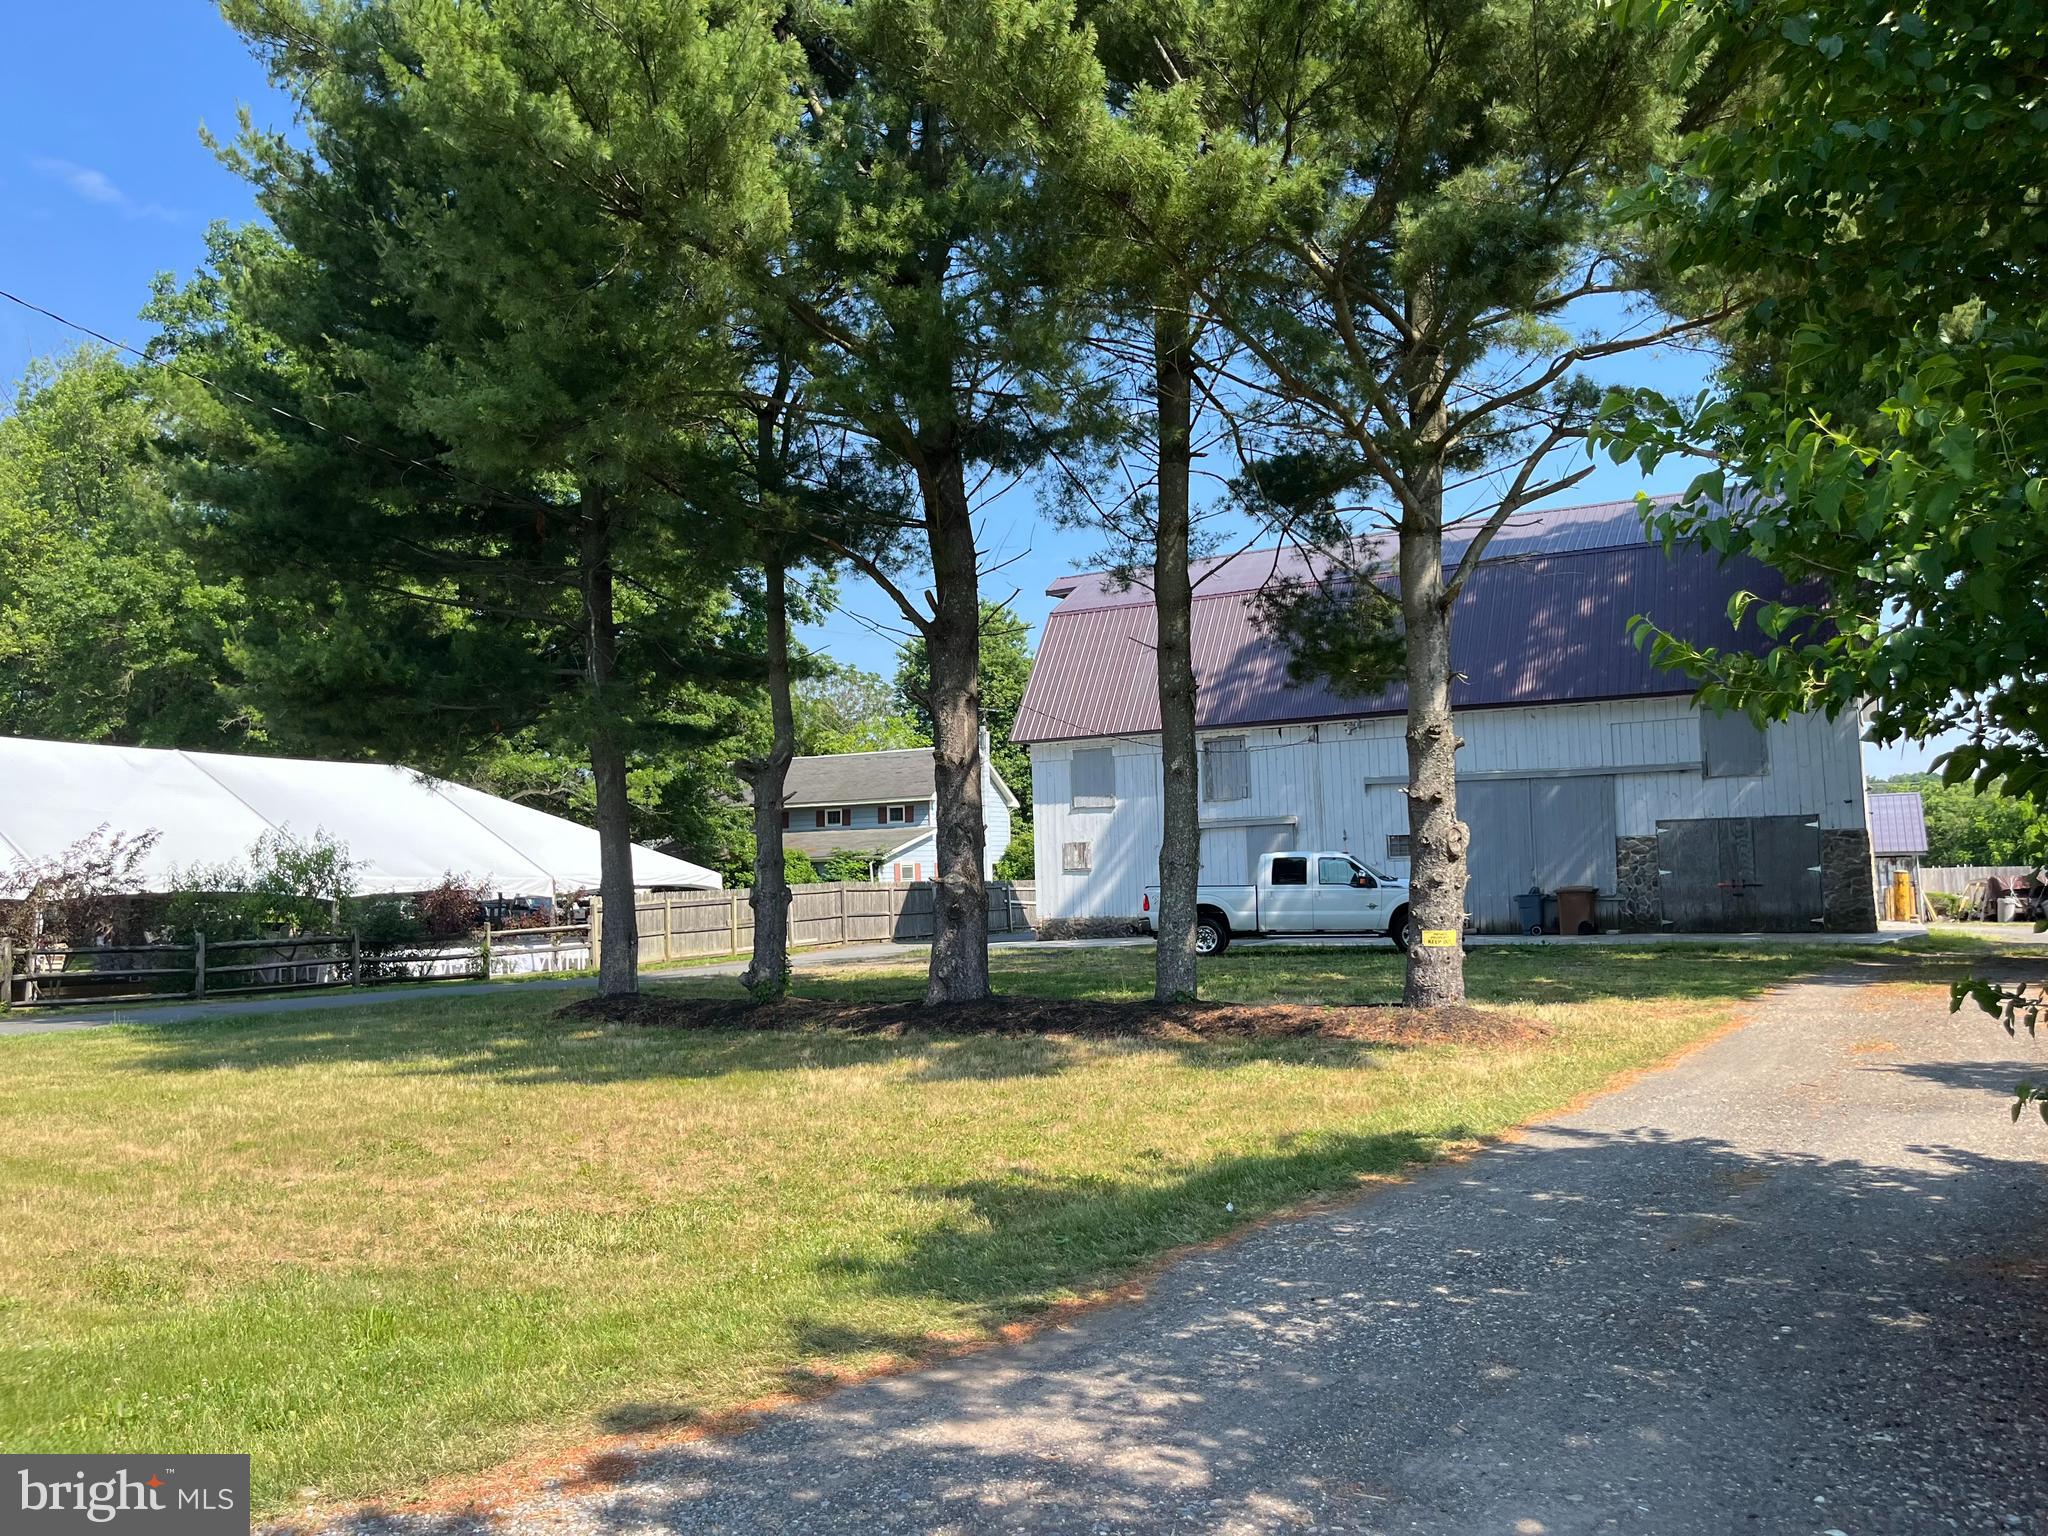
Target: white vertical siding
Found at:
1338, 783
995, 819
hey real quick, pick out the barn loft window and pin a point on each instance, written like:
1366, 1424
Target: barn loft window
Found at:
1226, 769
1732, 746
1094, 779
1397, 846
1076, 858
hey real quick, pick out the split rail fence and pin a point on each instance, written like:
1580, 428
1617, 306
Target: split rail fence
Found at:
673, 926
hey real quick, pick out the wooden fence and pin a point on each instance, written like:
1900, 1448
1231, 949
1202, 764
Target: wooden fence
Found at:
674, 925
135, 973
1958, 878
685, 925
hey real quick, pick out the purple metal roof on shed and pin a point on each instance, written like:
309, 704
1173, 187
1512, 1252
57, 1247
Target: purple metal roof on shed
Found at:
1543, 620
1898, 823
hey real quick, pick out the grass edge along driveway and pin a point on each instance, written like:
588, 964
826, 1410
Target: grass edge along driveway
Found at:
373, 1247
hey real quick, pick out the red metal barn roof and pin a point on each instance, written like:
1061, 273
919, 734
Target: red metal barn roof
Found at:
1544, 620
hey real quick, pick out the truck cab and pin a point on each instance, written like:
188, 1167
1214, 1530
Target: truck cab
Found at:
1297, 892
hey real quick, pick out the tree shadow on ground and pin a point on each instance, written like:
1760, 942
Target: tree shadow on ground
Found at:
519, 1040
1658, 1332
547, 1051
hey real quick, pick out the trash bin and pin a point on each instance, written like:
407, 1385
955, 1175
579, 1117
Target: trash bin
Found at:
1575, 909
1529, 910
2008, 908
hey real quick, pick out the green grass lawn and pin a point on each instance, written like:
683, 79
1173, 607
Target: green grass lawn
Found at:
373, 1245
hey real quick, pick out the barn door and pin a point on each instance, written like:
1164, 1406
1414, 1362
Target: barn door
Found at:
1223, 857
1705, 871
1787, 896
1572, 824
1502, 857
1740, 873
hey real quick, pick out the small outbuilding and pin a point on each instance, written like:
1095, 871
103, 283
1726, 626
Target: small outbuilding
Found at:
1898, 840
406, 830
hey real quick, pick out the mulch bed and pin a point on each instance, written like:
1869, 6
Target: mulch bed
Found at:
1386, 1025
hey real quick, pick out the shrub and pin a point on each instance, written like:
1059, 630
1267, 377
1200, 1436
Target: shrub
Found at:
1016, 862
848, 865
286, 885
450, 909
386, 922
73, 897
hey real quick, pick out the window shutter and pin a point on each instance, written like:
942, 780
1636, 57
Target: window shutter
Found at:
1094, 779
785, 821
821, 816
1732, 747
1226, 769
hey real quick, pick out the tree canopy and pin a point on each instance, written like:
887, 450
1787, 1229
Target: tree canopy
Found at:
1881, 428
108, 629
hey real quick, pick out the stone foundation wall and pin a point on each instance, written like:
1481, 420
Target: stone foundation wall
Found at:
1639, 898
1847, 900
1091, 927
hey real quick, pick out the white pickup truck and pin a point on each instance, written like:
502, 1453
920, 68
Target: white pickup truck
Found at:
1325, 892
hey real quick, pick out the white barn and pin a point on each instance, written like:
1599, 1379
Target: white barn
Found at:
1581, 763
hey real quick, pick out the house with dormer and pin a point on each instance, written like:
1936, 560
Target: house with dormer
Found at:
881, 805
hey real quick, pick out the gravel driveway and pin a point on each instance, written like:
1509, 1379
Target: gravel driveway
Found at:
1796, 1283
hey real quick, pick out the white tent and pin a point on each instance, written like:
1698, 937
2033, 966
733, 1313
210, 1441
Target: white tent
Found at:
406, 830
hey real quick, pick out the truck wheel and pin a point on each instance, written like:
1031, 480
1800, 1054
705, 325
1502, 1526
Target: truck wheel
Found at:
1397, 929
1212, 932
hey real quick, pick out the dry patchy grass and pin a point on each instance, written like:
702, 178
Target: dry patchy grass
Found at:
373, 1246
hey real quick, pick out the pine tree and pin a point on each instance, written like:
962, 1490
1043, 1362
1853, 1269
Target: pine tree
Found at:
469, 366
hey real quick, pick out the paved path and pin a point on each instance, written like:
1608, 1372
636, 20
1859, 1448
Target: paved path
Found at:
1796, 1283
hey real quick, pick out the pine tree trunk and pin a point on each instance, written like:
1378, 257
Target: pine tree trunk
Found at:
1180, 843
1438, 840
618, 972
959, 963
767, 974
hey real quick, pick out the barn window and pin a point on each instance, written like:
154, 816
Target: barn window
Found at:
1076, 858
1397, 846
1226, 769
1732, 746
1094, 779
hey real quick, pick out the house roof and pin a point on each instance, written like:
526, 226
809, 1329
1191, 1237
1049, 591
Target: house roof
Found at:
869, 778
406, 830
881, 842
1898, 823
1543, 620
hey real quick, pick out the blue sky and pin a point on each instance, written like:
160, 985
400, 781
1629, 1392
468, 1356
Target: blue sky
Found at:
104, 183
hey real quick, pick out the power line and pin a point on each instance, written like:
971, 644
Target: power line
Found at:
347, 438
